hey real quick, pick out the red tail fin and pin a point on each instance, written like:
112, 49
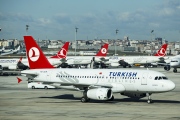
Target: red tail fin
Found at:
36, 57
162, 51
62, 52
103, 50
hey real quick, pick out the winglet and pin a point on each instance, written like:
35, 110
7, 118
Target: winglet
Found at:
19, 80
103, 50
36, 58
62, 52
162, 51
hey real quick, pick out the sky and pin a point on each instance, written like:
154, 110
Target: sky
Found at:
95, 19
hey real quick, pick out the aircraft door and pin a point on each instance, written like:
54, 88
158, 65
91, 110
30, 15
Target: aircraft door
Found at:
144, 79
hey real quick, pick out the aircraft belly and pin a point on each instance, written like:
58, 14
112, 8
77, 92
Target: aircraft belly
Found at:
129, 87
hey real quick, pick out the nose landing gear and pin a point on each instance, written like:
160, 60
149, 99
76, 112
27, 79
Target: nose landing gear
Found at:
149, 98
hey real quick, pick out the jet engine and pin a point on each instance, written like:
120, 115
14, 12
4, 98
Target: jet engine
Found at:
123, 63
99, 94
115, 64
20, 65
134, 95
167, 67
13, 67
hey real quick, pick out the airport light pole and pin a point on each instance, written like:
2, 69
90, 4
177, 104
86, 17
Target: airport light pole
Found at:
75, 38
115, 40
27, 27
151, 39
0, 29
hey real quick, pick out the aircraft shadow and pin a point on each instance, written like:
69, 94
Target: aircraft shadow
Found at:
125, 100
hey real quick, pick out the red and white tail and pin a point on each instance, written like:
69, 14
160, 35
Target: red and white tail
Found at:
36, 57
162, 51
62, 52
103, 50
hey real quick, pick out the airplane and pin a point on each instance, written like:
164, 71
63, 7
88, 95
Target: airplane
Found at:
97, 84
10, 51
173, 62
125, 61
87, 61
13, 64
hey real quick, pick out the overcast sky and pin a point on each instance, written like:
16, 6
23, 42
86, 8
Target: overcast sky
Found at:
57, 19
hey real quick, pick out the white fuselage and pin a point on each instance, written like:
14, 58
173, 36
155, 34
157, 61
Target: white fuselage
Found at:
81, 60
135, 59
175, 62
12, 63
138, 81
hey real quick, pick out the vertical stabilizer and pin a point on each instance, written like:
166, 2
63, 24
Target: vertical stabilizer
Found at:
103, 51
162, 51
36, 57
62, 53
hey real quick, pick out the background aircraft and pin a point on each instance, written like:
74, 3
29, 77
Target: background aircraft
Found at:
22, 63
87, 61
172, 62
125, 61
10, 51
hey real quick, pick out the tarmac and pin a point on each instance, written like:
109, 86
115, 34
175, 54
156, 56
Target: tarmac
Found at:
17, 102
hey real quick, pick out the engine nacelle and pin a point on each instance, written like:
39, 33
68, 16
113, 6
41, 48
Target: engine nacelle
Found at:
134, 95
115, 64
99, 94
12, 67
167, 67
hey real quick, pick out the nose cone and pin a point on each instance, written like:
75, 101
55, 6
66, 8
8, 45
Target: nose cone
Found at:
170, 85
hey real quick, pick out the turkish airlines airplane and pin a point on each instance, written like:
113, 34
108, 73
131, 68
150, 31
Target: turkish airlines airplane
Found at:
98, 84
116, 61
86, 60
55, 60
9, 51
172, 62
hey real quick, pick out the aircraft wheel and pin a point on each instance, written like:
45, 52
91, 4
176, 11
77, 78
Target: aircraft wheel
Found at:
33, 87
45, 87
175, 70
149, 101
83, 100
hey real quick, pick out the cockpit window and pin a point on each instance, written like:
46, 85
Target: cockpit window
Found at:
160, 78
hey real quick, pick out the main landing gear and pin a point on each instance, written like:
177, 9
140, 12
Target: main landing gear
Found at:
84, 97
149, 98
175, 70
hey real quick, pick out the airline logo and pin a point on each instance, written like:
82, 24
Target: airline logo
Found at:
103, 50
34, 54
62, 53
162, 52
123, 74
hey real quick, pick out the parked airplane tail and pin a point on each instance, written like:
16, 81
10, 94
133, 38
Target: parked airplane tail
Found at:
36, 57
162, 51
62, 52
103, 50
